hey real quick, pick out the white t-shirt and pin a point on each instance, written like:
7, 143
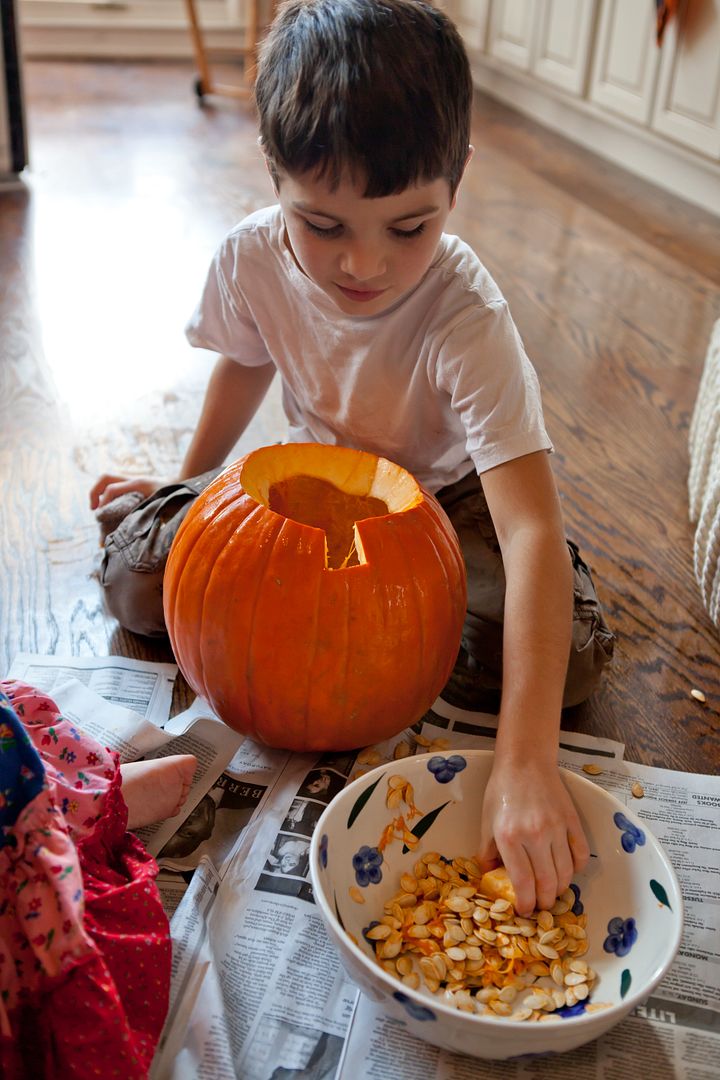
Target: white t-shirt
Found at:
439, 382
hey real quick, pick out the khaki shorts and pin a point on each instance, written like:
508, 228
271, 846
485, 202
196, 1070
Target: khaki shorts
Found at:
139, 535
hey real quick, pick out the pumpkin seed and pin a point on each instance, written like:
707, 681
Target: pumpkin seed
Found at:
474, 949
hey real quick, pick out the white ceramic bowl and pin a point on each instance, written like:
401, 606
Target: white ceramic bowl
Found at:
629, 892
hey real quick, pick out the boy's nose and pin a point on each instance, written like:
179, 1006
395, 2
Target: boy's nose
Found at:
362, 263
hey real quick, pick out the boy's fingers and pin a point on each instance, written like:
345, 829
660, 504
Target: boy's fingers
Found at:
579, 848
100, 486
564, 865
520, 871
545, 874
488, 856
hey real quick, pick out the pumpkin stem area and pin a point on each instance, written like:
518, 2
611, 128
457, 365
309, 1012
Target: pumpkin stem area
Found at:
310, 500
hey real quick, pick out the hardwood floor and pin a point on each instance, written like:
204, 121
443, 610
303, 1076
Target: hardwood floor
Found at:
614, 285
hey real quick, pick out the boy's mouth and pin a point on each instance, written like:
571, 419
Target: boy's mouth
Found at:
361, 295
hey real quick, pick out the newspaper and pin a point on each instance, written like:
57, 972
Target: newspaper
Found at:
144, 687
258, 992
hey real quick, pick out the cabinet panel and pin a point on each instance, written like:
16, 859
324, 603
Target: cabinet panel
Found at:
687, 105
626, 59
564, 38
512, 30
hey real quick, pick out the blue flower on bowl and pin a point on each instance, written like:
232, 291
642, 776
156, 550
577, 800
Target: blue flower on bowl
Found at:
568, 1011
366, 864
366, 930
417, 1012
323, 850
632, 836
578, 907
622, 935
444, 769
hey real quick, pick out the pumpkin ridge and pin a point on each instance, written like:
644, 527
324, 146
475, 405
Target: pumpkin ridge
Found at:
289, 637
437, 515
443, 569
206, 642
221, 521
297, 528
407, 552
254, 719
174, 586
311, 665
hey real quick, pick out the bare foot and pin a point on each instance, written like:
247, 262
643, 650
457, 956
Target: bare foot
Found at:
155, 790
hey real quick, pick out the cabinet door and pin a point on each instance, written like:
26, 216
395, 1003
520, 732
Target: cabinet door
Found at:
563, 38
471, 18
512, 30
687, 103
626, 59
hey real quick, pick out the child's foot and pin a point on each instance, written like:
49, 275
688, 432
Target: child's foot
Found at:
155, 790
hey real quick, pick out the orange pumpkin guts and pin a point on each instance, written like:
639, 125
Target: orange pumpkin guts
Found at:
314, 596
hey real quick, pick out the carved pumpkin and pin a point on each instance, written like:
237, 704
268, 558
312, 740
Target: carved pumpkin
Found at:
314, 596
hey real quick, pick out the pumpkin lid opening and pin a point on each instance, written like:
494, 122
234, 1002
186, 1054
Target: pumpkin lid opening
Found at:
329, 488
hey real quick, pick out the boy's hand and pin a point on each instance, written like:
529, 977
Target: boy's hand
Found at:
531, 826
109, 487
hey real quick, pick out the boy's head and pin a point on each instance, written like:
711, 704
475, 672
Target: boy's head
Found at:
379, 90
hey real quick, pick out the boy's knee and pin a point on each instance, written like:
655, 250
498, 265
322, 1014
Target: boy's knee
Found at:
133, 596
593, 642
590, 653
136, 551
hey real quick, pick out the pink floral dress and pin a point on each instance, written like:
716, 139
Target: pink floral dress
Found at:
84, 942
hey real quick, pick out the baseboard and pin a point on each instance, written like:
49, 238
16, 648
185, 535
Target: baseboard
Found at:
637, 149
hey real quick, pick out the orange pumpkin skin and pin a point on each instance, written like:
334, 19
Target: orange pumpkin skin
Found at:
291, 652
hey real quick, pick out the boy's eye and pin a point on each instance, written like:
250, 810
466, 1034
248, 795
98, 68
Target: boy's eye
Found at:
317, 230
408, 234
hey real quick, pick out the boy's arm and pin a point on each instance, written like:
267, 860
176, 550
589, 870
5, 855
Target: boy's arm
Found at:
529, 819
232, 398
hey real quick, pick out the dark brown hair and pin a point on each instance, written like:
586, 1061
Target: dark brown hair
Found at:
379, 88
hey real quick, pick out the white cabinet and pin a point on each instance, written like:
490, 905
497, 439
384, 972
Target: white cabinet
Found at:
626, 59
563, 37
512, 31
687, 102
592, 70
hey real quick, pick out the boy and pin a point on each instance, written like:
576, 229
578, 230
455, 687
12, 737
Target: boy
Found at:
390, 335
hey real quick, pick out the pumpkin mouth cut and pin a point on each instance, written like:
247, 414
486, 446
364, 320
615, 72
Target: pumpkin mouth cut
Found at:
332, 489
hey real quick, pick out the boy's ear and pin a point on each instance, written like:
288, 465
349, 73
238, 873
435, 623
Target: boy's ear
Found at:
272, 172
471, 151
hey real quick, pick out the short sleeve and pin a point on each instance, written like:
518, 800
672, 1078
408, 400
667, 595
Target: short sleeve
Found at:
221, 321
493, 387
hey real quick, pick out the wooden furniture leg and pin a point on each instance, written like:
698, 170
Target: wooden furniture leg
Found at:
204, 83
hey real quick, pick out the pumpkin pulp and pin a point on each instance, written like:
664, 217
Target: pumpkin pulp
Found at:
310, 500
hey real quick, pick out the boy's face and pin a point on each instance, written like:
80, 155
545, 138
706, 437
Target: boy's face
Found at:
363, 253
